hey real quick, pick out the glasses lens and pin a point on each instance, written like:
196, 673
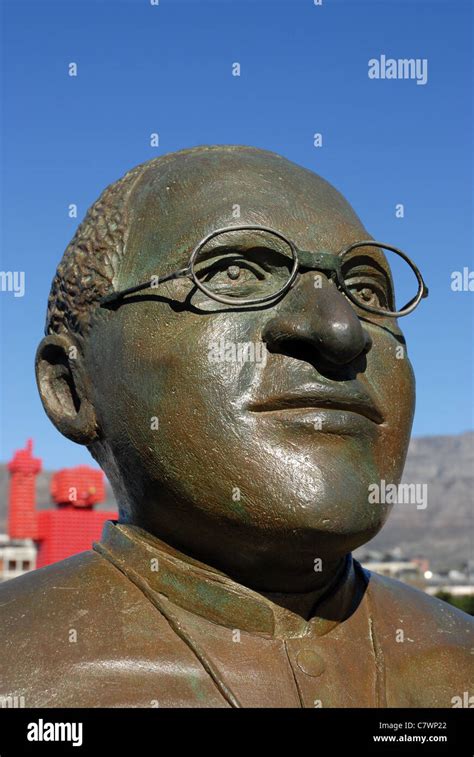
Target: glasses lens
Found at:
379, 278
245, 265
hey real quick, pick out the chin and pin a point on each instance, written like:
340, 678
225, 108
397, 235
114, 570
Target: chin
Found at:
328, 535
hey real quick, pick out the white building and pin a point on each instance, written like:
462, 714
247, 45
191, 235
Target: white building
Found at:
17, 556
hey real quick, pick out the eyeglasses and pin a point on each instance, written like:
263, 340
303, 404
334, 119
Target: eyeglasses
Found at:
254, 265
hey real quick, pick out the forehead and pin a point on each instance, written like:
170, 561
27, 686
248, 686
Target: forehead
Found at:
177, 203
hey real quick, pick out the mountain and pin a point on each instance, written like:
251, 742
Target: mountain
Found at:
442, 533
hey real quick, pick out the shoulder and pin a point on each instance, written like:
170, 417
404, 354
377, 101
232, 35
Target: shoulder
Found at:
425, 644
54, 588
407, 603
39, 608
79, 633
64, 627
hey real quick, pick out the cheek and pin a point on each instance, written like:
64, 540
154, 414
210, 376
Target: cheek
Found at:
161, 388
390, 373
127, 374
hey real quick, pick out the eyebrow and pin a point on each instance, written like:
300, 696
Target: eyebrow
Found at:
250, 253
359, 259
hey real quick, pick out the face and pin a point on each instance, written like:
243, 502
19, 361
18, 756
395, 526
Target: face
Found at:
257, 463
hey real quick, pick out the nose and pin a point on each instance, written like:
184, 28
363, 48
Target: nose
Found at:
321, 319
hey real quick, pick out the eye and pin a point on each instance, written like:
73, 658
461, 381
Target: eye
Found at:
230, 271
244, 271
250, 273
233, 272
369, 279
369, 294
369, 286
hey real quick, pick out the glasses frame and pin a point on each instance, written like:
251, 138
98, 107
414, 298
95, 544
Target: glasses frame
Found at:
325, 262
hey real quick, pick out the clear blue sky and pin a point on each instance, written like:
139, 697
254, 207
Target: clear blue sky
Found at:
304, 69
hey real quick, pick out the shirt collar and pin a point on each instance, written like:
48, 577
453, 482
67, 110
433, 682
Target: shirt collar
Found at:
211, 594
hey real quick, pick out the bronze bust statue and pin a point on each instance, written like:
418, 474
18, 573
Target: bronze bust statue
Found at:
242, 389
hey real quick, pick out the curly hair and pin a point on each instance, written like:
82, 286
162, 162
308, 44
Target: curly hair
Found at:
91, 260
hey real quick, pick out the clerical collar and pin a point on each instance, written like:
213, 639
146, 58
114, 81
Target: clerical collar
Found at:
160, 570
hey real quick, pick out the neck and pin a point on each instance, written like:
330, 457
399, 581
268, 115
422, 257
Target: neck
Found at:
302, 603
305, 603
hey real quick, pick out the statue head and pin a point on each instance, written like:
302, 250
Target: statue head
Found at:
245, 436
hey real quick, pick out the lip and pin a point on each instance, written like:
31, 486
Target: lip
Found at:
320, 396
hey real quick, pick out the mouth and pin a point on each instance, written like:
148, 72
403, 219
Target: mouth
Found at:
320, 396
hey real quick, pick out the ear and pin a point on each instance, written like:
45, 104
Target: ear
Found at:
62, 384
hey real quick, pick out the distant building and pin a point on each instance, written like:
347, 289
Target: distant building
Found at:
416, 572
411, 572
16, 557
37, 538
455, 582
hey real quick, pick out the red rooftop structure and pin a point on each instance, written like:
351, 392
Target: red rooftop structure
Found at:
72, 525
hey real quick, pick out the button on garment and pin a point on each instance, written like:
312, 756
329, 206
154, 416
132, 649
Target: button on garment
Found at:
310, 662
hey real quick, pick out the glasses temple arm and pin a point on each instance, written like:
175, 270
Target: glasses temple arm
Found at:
151, 283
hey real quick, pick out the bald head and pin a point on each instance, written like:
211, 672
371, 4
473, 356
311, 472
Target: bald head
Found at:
170, 202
